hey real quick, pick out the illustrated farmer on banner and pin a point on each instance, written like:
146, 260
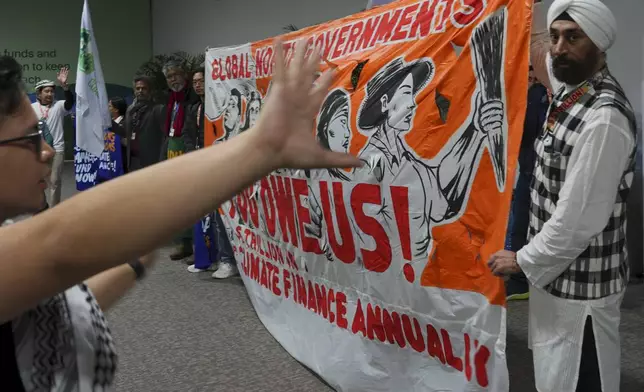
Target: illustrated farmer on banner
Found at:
387, 115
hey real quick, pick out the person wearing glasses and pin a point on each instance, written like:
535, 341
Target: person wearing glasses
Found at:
51, 114
53, 334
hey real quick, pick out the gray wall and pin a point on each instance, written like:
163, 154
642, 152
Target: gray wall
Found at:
121, 27
217, 23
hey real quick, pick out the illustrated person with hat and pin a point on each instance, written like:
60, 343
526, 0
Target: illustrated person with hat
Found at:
387, 115
576, 257
51, 114
438, 187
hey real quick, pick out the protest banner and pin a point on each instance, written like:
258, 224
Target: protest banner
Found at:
86, 169
376, 278
111, 160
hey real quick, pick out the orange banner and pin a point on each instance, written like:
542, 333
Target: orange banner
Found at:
431, 95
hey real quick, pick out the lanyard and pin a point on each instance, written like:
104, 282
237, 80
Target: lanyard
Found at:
199, 115
571, 99
45, 114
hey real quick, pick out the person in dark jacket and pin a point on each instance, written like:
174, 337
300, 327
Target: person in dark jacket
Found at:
517, 286
177, 136
143, 127
118, 109
194, 126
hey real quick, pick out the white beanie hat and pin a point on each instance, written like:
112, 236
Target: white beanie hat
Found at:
592, 16
44, 83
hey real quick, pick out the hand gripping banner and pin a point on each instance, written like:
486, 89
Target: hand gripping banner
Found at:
376, 278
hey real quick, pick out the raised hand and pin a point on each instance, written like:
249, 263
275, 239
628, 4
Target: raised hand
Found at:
286, 123
489, 120
62, 76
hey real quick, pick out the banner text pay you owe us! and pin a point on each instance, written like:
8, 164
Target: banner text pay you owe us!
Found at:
375, 278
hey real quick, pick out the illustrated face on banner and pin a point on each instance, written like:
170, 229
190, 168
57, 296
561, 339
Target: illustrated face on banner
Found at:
252, 111
232, 114
339, 132
334, 132
390, 100
400, 109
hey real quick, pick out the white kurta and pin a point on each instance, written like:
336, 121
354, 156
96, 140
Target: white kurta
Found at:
586, 201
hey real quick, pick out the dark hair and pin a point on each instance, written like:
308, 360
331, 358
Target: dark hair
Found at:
333, 102
236, 93
119, 104
144, 79
12, 89
200, 70
254, 97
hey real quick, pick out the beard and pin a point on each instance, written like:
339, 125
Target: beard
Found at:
176, 87
573, 72
46, 100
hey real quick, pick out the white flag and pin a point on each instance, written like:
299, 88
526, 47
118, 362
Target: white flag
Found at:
92, 114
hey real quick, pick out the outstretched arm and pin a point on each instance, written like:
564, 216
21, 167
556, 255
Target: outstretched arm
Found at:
71, 246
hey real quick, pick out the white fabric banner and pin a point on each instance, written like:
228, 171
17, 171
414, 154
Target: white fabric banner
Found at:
376, 278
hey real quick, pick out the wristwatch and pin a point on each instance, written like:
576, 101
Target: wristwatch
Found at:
139, 269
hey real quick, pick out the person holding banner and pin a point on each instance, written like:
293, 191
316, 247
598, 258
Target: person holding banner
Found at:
177, 137
576, 258
51, 114
118, 108
71, 248
517, 287
111, 162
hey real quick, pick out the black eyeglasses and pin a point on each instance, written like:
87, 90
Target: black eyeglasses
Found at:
34, 138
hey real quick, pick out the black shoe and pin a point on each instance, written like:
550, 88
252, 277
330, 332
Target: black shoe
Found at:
181, 253
516, 290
